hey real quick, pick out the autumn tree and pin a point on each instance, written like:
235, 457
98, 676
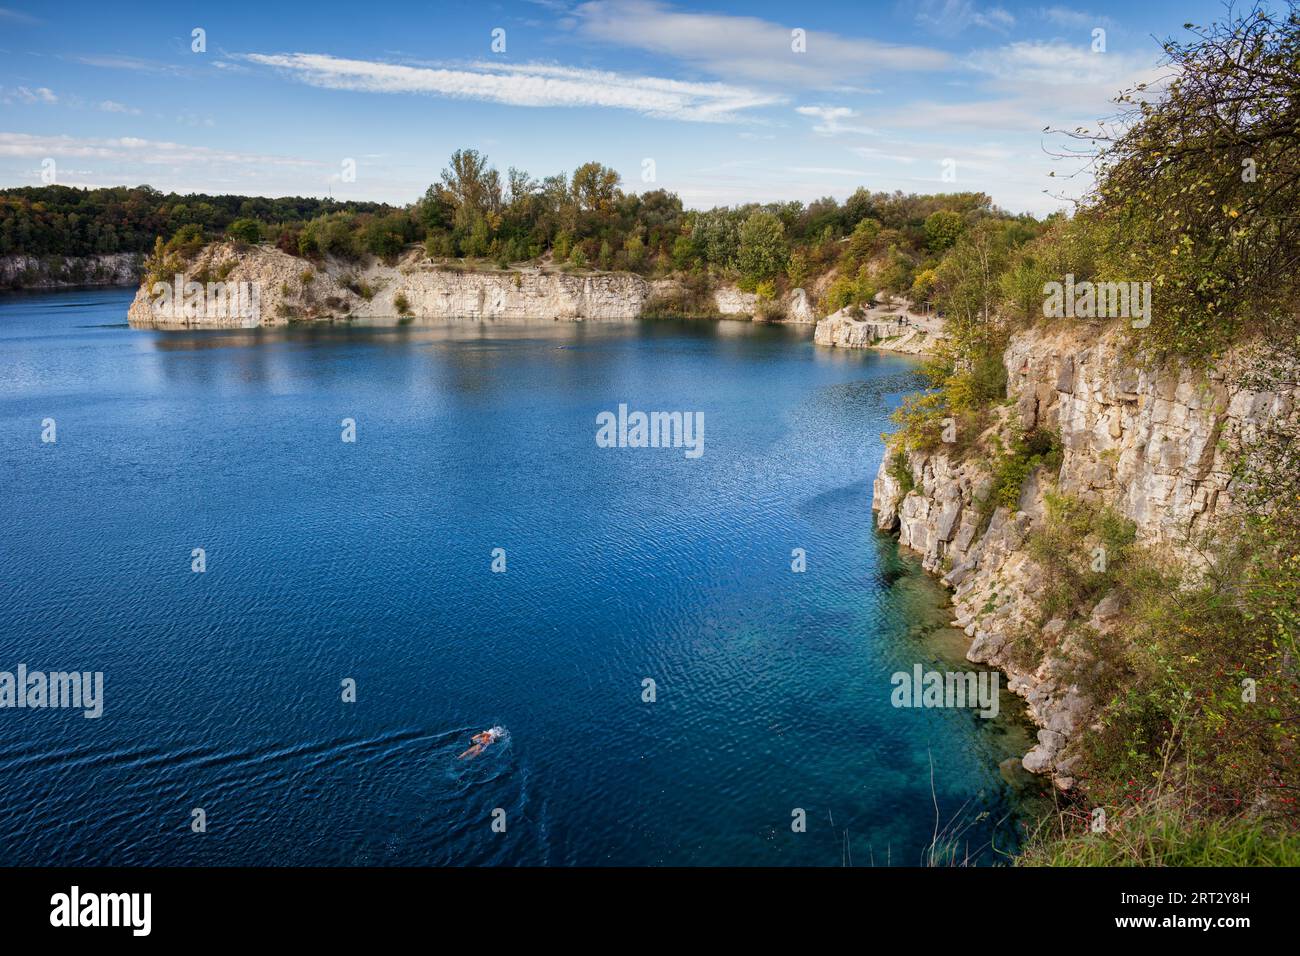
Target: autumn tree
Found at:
595, 188
1198, 193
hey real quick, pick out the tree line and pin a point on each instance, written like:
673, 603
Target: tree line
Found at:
870, 243
67, 221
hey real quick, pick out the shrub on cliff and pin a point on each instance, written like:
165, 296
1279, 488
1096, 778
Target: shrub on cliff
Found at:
386, 237
245, 231
1198, 687
330, 235
688, 298
848, 290
172, 257
899, 468
1018, 458
1084, 551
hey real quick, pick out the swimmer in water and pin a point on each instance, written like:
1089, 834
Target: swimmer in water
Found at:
484, 739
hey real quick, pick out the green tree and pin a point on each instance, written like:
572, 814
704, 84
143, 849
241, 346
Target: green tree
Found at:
244, 230
683, 253
475, 243
862, 243
634, 248
897, 275
763, 250
472, 188
715, 238
796, 269
595, 187
942, 229
922, 291
563, 246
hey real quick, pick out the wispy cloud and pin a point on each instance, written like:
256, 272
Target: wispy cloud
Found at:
834, 120
871, 152
747, 48
859, 174
527, 84
950, 17
17, 16
112, 106
130, 148
1074, 19
133, 63
1011, 115
27, 95
1029, 85
1028, 64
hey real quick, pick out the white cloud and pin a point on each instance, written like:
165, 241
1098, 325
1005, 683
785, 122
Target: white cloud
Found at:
527, 84
829, 171
27, 95
999, 114
112, 106
135, 150
1074, 19
870, 152
1033, 63
1029, 86
190, 118
747, 48
133, 63
834, 120
950, 17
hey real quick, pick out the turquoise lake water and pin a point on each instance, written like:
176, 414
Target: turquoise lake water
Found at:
372, 561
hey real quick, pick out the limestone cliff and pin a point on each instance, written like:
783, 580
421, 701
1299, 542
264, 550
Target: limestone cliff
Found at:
57, 272
290, 289
1156, 445
892, 330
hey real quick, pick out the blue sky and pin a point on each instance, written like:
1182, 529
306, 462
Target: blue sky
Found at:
710, 98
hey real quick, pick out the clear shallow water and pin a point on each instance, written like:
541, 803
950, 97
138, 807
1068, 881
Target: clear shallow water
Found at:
328, 560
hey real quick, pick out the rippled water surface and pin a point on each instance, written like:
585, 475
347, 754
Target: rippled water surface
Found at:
372, 561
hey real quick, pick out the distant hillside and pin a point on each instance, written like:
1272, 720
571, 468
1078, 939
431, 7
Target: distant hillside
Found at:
64, 221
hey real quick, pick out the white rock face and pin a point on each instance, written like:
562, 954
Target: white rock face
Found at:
435, 293
887, 332
52, 272
294, 289
730, 301
1157, 446
799, 308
